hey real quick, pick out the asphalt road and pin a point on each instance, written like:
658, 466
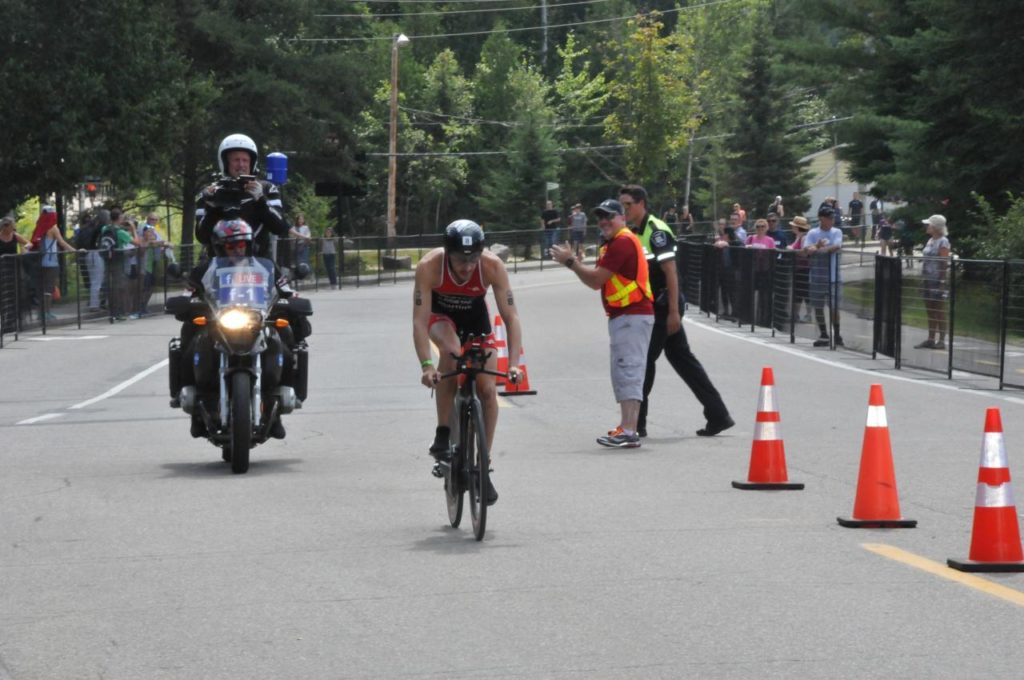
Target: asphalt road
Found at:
128, 550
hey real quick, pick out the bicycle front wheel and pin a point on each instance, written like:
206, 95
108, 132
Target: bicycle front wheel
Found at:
478, 466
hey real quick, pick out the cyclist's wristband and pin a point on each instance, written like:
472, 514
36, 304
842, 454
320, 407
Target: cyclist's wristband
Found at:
426, 362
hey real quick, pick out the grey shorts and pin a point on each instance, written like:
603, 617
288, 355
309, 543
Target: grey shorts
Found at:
629, 337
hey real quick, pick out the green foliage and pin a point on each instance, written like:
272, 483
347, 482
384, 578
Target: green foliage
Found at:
766, 163
513, 191
997, 236
653, 111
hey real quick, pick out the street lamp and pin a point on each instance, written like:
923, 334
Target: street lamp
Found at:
399, 41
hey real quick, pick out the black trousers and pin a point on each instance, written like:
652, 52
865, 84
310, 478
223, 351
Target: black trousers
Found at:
677, 351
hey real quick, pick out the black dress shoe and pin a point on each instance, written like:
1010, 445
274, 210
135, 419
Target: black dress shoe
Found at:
277, 429
714, 427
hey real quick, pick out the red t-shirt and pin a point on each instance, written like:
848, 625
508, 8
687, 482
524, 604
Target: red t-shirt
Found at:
619, 257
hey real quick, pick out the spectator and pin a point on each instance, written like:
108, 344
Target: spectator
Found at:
724, 240
885, 246
50, 264
762, 271
738, 209
760, 237
621, 274
877, 210
737, 220
303, 236
934, 268
671, 218
550, 221
801, 268
96, 264
856, 207
777, 207
152, 245
117, 246
668, 335
776, 231
685, 221
329, 249
577, 230
10, 239
823, 244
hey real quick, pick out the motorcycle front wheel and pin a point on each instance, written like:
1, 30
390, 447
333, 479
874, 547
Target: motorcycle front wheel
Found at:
241, 421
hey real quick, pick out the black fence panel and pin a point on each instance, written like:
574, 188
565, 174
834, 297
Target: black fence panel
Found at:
974, 334
1013, 325
888, 283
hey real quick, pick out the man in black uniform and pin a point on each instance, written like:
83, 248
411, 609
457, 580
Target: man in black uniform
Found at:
668, 335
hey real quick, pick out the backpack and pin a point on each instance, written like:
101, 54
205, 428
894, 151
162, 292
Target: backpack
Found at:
87, 236
107, 242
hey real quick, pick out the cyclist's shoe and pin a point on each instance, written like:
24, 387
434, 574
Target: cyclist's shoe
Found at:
437, 471
441, 449
490, 495
822, 341
620, 441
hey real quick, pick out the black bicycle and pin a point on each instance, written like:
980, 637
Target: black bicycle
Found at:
468, 466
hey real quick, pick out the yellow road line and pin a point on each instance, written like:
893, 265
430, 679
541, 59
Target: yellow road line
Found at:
910, 559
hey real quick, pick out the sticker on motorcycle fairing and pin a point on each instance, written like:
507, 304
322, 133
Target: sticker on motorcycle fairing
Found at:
241, 286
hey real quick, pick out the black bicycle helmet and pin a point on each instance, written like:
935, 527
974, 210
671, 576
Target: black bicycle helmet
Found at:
463, 236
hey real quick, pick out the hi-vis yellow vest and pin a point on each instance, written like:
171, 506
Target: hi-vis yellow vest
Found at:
622, 292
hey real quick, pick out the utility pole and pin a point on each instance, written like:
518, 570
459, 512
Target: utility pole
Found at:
544, 39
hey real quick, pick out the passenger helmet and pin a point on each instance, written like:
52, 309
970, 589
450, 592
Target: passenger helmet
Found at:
464, 236
238, 141
231, 231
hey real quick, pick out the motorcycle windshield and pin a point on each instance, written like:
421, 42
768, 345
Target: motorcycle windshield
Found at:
239, 282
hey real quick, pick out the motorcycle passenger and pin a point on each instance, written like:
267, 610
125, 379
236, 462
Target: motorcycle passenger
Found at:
449, 304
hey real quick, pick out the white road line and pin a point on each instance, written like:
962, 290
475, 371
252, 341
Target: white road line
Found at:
45, 416
52, 338
804, 354
118, 388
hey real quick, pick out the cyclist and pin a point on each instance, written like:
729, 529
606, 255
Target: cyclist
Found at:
448, 305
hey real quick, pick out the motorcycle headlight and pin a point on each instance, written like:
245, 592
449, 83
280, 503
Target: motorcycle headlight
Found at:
236, 320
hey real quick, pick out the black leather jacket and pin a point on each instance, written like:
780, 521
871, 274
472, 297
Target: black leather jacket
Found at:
265, 216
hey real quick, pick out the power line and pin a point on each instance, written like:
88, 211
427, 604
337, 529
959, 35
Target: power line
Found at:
483, 121
513, 30
453, 12
415, 154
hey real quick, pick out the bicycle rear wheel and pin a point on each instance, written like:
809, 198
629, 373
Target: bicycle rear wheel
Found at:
477, 464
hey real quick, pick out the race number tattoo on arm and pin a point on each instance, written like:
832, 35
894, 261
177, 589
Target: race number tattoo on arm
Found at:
511, 302
417, 297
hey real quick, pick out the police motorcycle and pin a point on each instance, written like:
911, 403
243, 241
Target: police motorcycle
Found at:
246, 369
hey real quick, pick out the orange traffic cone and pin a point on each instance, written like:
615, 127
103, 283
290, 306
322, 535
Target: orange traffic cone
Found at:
995, 538
523, 386
877, 504
768, 453
501, 345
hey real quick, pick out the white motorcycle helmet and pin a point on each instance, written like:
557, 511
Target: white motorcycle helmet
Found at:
238, 141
